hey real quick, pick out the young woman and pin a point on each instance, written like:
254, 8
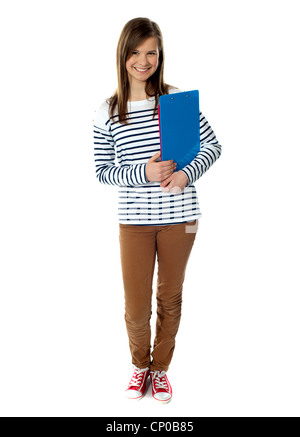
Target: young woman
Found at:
158, 206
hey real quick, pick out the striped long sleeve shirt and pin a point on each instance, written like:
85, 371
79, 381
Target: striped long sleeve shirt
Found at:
141, 202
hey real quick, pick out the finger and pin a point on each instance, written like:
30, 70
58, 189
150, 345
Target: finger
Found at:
165, 182
175, 190
167, 177
168, 161
166, 186
168, 164
168, 171
154, 157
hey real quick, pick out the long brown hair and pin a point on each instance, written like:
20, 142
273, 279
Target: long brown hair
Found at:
134, 33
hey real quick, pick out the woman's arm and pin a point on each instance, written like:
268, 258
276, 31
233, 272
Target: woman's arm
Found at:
104, 152
210, 151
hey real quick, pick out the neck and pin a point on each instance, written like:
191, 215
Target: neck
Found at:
137, 92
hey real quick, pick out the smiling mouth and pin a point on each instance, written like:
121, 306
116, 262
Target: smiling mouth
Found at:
141, 70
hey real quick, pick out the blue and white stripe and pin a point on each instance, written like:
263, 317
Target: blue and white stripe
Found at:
141, 202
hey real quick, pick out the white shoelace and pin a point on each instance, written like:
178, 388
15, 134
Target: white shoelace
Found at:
137, 376
159, 379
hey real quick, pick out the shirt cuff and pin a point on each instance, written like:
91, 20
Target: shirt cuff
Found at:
144, 177
187, 175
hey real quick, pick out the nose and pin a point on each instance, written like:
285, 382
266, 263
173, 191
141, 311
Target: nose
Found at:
142, 59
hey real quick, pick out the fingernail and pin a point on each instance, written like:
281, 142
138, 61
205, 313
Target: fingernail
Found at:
175, 190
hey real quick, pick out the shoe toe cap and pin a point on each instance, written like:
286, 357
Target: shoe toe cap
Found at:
162, 396
133, 394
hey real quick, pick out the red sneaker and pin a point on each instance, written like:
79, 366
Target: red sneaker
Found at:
161, 387
137, 385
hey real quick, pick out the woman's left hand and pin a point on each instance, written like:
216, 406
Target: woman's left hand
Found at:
175, 183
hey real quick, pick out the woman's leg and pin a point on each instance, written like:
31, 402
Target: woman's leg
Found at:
138, 253
174, 245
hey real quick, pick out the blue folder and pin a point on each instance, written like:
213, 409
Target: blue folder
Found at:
179, 127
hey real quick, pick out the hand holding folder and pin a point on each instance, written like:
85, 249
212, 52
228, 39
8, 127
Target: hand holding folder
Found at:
179, 127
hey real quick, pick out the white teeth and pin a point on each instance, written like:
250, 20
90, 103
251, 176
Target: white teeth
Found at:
139, 69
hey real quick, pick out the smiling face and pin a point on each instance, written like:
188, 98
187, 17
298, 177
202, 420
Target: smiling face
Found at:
142, 62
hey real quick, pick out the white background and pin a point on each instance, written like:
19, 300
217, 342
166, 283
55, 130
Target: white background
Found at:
64, 347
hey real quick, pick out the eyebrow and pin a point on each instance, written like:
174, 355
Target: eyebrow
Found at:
136, 50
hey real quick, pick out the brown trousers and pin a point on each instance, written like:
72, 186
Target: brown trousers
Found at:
138, 248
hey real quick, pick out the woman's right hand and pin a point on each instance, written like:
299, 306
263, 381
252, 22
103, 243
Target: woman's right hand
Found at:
159, 171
